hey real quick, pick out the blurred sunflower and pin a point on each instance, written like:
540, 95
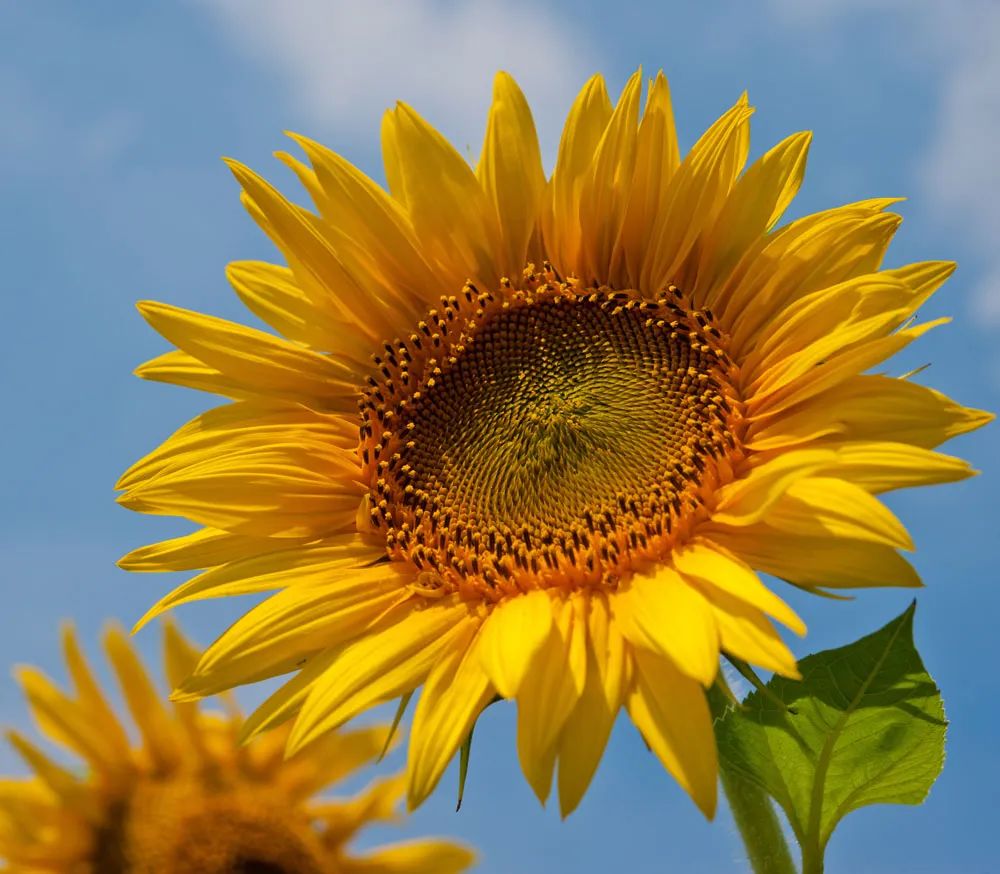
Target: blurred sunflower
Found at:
190, 797
532, 438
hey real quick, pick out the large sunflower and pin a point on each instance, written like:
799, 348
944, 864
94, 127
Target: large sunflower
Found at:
532, 438
190, 798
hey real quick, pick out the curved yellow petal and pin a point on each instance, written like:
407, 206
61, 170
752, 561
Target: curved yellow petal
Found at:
254, 358
274, 636
512, 636
178, 368
548, 693
827, 507
811, 253
144, 702
204, 548
588, 117
716, 568
454, 695
746, 634
873, 408
451, 215
748, 499
757, 201
697, 191
388, 661
299, 565
413, 857
881, 467
510, 172
272, 294
671, 712
656, 160
586, 732
604, 192
661, 612
818, 562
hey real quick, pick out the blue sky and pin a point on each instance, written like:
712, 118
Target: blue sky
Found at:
112, 191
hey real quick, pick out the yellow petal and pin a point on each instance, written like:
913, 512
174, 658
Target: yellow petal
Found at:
300, 565
296, 490
604, 192
386, 662
451, 214
746, 634
825, 323
816, 561
757, 201
272, 294
454, 695
661, 612
828, 507
586, 732
288, 699
89, 693
330, 759
809, 254
144, 701
671, 712
413, 857
548, 694
585, 124
253, 358
68, 723
512, 635
510, 172
747, 500
179, 368
374, 222
881, 467
713, 567
204, 548
60, 780
697, 191
260, 423
656, 160
274, 636
876, 408
836, 370
316, 265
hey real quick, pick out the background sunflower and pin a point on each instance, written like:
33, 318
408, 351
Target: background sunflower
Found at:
187, 796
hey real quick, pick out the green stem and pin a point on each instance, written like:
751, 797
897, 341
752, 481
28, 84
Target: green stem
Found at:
812, 858
759, 827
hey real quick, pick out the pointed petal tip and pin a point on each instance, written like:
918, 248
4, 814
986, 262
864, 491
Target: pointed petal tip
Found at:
181, 696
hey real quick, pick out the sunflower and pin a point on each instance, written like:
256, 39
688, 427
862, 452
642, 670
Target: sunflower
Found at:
190, 797
533, 438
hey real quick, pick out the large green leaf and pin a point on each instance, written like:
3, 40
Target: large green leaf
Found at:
865, 725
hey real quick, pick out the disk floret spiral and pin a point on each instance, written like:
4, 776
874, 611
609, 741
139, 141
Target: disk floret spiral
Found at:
546, 435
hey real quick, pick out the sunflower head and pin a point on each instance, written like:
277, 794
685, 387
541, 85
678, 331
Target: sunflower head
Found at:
188, 797
534, 437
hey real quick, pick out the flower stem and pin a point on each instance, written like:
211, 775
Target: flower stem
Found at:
758, 824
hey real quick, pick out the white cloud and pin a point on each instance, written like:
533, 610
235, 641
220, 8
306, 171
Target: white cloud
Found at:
958, 169
346, 61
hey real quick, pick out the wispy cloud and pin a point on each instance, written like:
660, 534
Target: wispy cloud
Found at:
957, 169
345, 62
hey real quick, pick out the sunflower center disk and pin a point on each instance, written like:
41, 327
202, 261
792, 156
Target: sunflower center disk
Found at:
547, 436
172, 827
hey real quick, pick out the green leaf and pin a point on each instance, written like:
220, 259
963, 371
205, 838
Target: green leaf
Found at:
865, 725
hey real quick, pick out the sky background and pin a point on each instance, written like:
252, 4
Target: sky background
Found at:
114, 119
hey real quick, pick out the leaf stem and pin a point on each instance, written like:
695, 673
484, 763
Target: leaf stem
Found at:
812, 858
758, 824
